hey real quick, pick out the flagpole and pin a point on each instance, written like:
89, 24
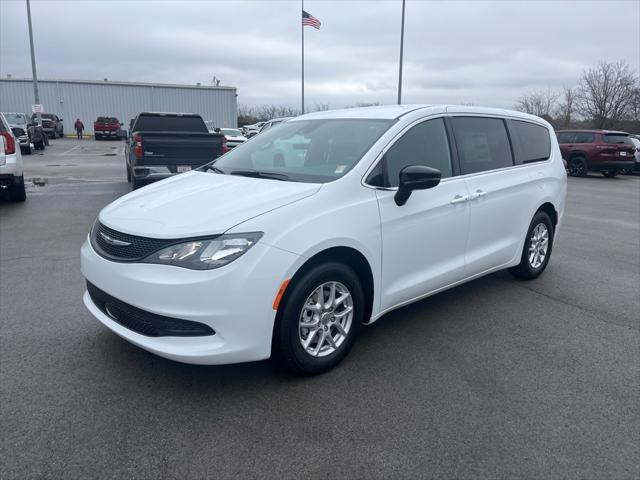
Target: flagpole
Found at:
401, 49
302, 30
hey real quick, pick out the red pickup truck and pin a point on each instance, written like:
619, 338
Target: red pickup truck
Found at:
107, 127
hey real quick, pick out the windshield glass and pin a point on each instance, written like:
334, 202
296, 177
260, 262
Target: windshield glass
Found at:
15, 118
107, 120
231, 132
315, 151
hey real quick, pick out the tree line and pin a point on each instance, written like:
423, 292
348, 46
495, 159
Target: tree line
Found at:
605, 97
248, 115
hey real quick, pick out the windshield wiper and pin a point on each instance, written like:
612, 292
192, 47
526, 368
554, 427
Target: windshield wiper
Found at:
215, 169
259, 174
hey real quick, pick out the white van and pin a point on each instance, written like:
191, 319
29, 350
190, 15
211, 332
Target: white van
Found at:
287, 244
11, 168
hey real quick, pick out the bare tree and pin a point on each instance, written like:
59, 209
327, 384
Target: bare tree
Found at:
321, 107
540, 102
634, 110
567, 109
605, 93
252, 114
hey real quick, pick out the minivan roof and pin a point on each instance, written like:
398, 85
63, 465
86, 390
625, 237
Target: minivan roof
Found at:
396, 111
606, 132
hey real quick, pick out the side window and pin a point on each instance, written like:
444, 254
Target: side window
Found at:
482, 143
531, 142
425, 144
565, 137
584, 137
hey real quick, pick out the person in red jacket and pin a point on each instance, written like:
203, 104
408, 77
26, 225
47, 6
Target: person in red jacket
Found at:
79, 126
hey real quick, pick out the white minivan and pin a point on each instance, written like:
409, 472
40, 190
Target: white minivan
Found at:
287, 244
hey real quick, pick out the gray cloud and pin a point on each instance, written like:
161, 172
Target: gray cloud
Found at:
484, 52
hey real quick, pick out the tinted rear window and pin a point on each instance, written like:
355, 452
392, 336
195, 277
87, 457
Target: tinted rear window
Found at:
531, 142
107, 120
616, 138
170, 123
482, 143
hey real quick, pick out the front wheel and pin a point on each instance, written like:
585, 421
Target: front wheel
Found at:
319, 319
537, 248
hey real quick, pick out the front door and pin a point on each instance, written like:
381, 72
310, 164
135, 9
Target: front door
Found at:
423, 241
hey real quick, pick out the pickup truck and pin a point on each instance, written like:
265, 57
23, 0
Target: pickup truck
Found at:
107, 127
164, 144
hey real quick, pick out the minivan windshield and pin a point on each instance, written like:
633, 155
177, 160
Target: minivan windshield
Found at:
314, 151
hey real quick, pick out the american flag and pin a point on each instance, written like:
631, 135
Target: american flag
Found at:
310, 20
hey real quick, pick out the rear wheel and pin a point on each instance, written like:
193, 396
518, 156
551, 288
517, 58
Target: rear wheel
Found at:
18, 193
135, 184
537, 248
319, 319
610, 173
578, 167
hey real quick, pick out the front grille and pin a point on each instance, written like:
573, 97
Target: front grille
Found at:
143, 322
137, 248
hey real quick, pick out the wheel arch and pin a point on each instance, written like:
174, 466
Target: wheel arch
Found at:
349, 256
550, 210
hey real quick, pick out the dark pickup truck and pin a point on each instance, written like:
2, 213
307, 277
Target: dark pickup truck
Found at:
164, 144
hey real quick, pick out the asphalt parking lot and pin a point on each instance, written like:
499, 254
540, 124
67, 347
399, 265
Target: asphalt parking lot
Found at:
497, 378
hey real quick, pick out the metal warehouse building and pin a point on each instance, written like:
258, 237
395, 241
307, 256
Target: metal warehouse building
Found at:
87, 100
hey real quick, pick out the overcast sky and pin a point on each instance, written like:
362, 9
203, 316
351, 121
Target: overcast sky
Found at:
480, 52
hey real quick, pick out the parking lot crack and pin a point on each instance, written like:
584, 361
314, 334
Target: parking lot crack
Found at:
26, 257
594, 313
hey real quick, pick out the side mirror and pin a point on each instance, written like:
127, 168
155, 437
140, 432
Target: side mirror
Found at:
415, 177
121, 124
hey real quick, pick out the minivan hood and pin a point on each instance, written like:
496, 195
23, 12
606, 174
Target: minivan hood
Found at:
198, 203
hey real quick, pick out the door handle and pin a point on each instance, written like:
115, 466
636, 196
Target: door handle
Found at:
479, 193
459, 199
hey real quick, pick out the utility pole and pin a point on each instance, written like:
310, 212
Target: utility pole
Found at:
33, 64
401, 51
302, 31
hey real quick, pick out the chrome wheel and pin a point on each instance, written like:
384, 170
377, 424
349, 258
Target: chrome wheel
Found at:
538, 245
325, 320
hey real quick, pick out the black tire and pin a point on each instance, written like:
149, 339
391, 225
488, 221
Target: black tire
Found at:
610, 173
128, 174
136, 184
287, 345
525, 269
18, 193
578, 167
96, 137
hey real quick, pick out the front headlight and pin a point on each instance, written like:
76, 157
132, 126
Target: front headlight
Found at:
205, 254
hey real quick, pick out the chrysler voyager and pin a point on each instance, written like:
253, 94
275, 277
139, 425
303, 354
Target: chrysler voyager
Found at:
289, 243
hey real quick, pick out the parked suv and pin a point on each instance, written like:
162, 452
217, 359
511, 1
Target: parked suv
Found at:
11, 171
19, 123
288, 243
51, 124
107, 127
601, 151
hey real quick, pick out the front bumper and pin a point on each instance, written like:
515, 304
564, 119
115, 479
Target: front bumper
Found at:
235, 301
